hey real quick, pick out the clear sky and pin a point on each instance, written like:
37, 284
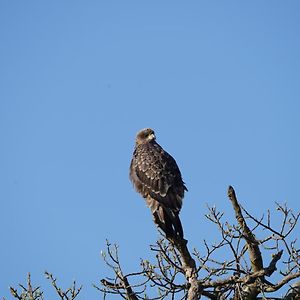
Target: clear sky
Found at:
218, 81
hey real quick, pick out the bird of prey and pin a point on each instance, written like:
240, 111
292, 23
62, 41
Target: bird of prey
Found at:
156, 176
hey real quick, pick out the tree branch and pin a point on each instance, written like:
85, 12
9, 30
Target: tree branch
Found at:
252, 243
189, 267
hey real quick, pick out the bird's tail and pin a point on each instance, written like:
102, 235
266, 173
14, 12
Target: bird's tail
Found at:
169, 222
166, 218
173, 223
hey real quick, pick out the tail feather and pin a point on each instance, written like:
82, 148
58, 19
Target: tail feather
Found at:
178, 225
166, 218
168, 221
173, 222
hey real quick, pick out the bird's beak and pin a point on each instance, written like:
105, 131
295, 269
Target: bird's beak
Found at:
152, 137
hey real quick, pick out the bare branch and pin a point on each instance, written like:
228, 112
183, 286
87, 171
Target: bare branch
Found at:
189, 266
68, 294
28, 292
252, 243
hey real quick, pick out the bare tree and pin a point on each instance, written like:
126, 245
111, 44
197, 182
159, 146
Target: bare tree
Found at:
237, 266
244, 273
29, 292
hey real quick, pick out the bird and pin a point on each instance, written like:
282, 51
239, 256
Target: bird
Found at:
156, 176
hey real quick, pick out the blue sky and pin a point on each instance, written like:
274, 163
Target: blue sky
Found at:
219, 83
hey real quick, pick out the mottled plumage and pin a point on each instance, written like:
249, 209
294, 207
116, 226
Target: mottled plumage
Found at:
157, 178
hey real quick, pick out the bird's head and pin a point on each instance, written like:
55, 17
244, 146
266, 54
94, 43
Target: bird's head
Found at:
145, 136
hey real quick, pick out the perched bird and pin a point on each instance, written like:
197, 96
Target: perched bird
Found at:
156, 176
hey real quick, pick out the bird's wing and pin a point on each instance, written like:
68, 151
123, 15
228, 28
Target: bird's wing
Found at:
155, 172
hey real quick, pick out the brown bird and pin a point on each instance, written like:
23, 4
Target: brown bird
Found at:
156, 176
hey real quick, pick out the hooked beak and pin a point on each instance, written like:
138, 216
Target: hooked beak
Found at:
152, 137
